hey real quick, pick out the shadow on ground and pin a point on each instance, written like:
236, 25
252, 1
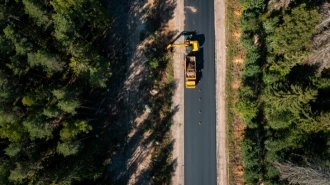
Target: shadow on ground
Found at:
125, 149
200, 65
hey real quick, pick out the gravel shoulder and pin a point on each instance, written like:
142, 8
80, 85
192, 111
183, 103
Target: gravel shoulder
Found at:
178, 101
220, 64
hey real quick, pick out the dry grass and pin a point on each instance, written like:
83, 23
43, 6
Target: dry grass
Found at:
235, 60
235, 83
236, 35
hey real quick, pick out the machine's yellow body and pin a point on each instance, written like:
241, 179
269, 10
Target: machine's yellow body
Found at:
190, 71
191, 45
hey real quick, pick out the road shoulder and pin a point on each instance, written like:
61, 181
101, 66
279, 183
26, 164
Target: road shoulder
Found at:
220, 64
177, 128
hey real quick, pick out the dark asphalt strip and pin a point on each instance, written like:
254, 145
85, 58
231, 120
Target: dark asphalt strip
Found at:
200, 139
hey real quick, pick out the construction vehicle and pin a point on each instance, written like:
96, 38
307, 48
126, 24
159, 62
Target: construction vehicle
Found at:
190, 71
191, 46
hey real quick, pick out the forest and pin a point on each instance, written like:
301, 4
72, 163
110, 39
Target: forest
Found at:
63, 106
51, 74
285, 93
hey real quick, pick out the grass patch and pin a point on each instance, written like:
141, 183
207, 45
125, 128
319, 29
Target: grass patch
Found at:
234, 53
162, 166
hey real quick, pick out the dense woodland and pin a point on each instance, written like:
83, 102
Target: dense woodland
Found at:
285, 95
51, 72
63, 110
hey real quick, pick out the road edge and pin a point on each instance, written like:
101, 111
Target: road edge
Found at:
220, 89
177, 106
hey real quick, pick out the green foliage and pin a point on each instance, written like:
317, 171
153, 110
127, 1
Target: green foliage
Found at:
250, 161
4, 173
296, 32
60, 93
280, 119
245, 91
13, 149
292, 39
51, 112
252, 58
12, 130
250, 48
153, 63
38, 128
283, 102
249, 25
36, 12
289, 98
68, 106
99, 74
28, 101
271, 77
248, 109
251, 71
22, 45
68, 148
63, 27
20, 173
71, 131
270, 25
48, 62
52, 65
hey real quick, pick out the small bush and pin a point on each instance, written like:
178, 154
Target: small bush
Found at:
153, 63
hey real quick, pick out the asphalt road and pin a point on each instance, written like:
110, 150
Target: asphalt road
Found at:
200, 139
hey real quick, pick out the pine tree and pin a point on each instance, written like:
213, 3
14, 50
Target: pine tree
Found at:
70, 131
13, 149
34, 10
290, 98
68, 106
300, 23
38, 128
44, 59
68, 148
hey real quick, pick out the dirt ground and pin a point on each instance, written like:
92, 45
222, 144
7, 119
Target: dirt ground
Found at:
178, 101
220, 64
131, 165
140, 157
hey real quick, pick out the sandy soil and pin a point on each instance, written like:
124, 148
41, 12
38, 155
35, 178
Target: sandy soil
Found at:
131, 164
138, 164
220, 64
178, 101
137, 157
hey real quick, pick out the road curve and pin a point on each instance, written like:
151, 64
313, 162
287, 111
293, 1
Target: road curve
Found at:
200, 139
